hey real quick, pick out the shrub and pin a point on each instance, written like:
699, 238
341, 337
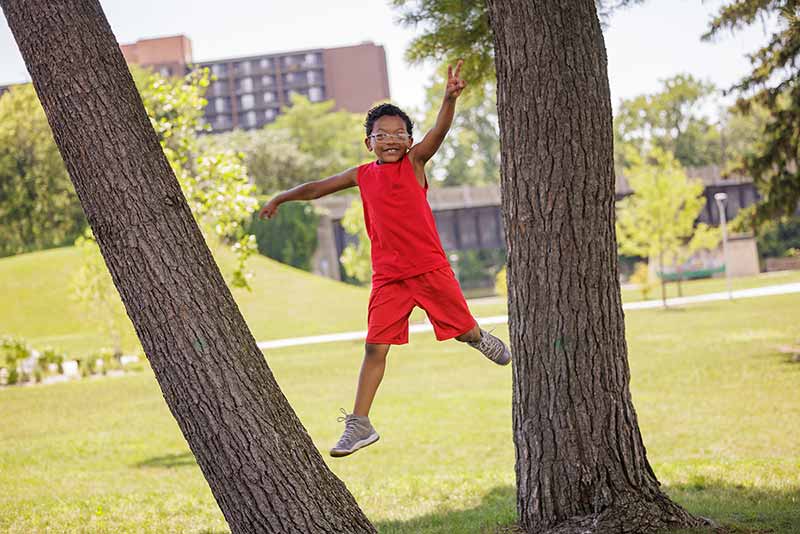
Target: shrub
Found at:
290, 237
641, 277
479, 268
12, 349
500, 283
49, 356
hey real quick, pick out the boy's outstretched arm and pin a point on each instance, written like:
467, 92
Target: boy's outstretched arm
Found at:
311, 190
425, 149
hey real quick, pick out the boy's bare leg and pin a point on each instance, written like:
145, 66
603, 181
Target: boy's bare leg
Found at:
473, 335
370, 377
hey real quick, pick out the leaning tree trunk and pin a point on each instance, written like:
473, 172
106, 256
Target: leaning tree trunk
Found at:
263, 469
580, 462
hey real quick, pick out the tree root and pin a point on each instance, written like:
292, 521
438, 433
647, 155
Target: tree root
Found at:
632, 517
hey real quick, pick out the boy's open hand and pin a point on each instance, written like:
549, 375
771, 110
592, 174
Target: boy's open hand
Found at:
269, 210
454, 84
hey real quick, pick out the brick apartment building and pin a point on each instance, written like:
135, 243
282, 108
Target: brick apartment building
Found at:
249, 92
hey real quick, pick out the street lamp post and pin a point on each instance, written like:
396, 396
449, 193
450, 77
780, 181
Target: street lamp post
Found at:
721, 198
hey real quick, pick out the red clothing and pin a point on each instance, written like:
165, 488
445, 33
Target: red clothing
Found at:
399, 222
437, 292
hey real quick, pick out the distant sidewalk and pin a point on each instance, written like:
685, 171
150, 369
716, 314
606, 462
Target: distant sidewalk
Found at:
782, 289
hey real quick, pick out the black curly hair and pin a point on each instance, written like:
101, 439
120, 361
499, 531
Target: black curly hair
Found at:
383, 110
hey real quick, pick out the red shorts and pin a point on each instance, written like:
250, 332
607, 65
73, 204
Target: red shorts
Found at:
437, 292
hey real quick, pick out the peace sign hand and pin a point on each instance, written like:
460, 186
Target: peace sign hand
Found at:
454, 84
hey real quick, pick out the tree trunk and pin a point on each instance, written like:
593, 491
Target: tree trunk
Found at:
261, 465
580, 461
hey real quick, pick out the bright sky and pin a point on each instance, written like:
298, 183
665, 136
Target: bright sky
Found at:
645, 43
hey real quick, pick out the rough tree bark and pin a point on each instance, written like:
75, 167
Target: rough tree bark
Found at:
261, 465
580, 461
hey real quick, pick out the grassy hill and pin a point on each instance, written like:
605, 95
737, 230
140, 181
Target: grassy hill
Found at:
285, 302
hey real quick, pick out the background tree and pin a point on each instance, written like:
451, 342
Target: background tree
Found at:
261, 465
334, 139
448, 31
773, 84
581, 463
38, 205
272, 156
740, 132
672, 120
470, 154
657, 220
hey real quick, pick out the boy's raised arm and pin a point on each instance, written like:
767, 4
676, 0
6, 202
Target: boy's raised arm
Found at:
311, 190
425, 149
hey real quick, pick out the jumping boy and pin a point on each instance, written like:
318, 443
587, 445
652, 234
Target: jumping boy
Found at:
409, 265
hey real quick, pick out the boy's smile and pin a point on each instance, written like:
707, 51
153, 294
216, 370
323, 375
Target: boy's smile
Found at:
389, 139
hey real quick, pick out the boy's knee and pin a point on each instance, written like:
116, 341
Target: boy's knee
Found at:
374, 351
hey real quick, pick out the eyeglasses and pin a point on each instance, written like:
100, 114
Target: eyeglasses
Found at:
387, 136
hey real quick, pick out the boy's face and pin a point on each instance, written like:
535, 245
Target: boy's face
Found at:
384, 140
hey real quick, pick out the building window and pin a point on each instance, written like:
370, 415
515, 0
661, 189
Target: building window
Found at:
311, 59
313, 77
219, 69
269, 97
250, 118
293, 62
267, 81
217, 88
246, 85
315, 94
219, 105
269, 114
265, 63
221, 122
290, 77
248, 101
243, 67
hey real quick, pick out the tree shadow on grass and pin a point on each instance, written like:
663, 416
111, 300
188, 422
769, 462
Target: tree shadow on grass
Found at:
169, 461
496, 514
736, 509
740, 509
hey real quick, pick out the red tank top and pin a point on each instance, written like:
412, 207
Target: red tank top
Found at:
399, 222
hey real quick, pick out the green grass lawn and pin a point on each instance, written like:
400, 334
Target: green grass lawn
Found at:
719, 409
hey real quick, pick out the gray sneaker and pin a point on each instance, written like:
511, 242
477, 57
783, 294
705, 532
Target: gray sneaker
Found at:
358, 433
492, 347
